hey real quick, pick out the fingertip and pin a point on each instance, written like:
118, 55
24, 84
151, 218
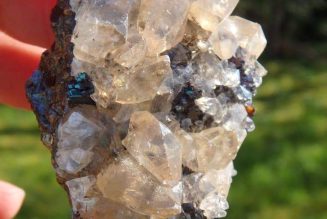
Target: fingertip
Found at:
12, 198
17, 62
28, 21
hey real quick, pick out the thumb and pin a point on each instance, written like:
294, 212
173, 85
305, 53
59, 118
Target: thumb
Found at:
11, 199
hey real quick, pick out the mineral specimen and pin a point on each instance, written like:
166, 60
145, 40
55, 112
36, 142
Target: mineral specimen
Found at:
144, 104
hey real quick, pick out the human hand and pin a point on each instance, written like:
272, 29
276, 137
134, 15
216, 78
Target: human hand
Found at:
11, 198
25, 31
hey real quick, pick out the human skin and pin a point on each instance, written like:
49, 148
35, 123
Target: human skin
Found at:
10, 201
25, 32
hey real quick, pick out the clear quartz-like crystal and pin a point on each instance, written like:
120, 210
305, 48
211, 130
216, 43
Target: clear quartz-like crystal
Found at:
249, 125
82, 134
231, 75
191, 187
210, 149
217, 180
189, 154
216, 147
77, 136
211, 106
197, 187
260, 70
132, 52
162, 23
142, 82
172, 82
214, 206
78, 189
127, 182
209, 13
235, 32
102, 27
210, 72
107, 209
155, 147
77, 131
235, 116
73, 160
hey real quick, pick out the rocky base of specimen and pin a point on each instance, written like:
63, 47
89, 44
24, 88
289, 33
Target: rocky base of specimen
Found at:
144, 104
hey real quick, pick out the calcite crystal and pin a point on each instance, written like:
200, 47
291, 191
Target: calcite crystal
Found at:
209, 13
144, 104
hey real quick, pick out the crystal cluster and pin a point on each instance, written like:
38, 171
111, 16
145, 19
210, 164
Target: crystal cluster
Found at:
167, 88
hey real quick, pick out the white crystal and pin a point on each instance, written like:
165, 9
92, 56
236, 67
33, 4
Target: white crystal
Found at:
141, 83
209, 13
235, 117
243, 94
72, 161
210, 72
231, 74
257, 80
78, 189
249, 124
162, 23
127, 86
191, 191
107, 209
217, 180
75, 4
212, 148
101, 28
189, 156
125, 112
197, 186
154, 146
140, 56
132, 52
103, 94
203, 45
216, 147
77, 132
209, 105
76, 138
102, 80
214, 206
260, 70
130, 184
236, 32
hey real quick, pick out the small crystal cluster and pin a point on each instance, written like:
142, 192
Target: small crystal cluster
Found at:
171, 84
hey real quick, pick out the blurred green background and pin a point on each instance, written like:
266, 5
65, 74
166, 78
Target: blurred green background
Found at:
281, 166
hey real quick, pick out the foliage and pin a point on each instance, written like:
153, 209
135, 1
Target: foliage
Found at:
26, 163
282, 164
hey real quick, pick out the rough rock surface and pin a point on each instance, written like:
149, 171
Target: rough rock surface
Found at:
144, 104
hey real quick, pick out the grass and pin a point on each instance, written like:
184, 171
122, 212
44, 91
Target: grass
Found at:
26, 163
281, 165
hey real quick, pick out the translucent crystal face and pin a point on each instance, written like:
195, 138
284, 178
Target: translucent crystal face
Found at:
173, 87
235, 32
209, 13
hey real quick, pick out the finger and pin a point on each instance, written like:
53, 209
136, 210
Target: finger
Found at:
11, 200
17, 61
28, 21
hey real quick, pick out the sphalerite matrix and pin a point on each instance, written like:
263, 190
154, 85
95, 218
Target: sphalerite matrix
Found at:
144, 104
